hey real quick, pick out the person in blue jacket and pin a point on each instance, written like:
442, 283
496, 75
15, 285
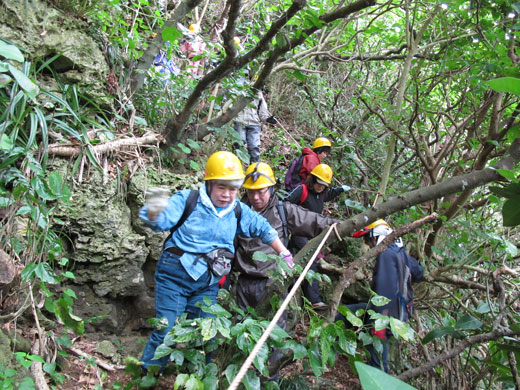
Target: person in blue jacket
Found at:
393, 274
182, 277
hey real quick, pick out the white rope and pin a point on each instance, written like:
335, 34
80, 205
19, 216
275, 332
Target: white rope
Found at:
272, 324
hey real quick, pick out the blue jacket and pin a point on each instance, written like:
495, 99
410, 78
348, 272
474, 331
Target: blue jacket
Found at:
206, 228
385, 279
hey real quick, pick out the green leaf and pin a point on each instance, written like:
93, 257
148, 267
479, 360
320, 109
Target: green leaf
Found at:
177, 357
299, 351
511, 211
194, 383
468, 322
251, 381
210, 383
299, 75
6, 143
27, 384
193, 144
171, 34
31, 89
195, 166
372, 378
231, 372
510, 247
161, 351
354, 205
379, 300
147, 382
505, 84
10, 52
402, 329
260, 256
45, 273
507, 174
513, 133
441, 332
184, 148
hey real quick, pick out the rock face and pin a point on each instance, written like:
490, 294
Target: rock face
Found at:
113, 252
44, 32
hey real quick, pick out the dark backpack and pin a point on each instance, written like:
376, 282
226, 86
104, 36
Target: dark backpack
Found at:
292, 177
283, 217
405, 293
191, 202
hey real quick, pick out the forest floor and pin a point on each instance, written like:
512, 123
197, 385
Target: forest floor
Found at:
81, 374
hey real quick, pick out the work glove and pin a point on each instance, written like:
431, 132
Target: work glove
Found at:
286, 255
156, 199
271, 120
379, 333
345, 188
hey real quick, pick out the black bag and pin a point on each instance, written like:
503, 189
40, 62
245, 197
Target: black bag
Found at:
219, 262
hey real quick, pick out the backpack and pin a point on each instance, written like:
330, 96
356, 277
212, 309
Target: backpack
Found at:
283, 217
292, 177
405, 289
191, 202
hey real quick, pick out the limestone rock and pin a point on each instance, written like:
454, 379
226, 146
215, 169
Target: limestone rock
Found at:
43, 31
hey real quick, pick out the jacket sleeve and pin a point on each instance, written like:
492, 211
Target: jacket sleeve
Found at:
295, 195
263, 112
416, 270
306, 223
333, 193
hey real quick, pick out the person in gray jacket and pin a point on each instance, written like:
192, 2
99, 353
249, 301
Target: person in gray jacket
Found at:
249, 123
253, 275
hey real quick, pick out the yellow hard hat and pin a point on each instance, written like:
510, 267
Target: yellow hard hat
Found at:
377, 223
323, 172
259, 175
223, 166
194, 28
319, 142
236, 40
368, 229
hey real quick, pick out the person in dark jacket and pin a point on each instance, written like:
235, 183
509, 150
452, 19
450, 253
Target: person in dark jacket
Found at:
385, 282
312, 157
312, 195
253, 275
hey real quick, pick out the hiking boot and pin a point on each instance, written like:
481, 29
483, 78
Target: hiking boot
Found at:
320, 306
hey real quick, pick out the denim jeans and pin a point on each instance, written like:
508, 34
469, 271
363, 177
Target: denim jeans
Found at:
175, 293
375, 360
250, 136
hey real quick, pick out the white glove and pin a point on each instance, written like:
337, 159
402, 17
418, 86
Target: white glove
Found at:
156, 199
345, 188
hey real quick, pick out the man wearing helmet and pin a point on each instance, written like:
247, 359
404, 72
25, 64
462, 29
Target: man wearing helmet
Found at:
311, 195
253, 277
184, 276
320, 150
394, 269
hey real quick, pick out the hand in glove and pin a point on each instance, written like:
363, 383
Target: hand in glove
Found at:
286, 255
271, 120
345, 188
156, 199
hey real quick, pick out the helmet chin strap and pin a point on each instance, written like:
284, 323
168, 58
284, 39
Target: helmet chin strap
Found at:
208, 187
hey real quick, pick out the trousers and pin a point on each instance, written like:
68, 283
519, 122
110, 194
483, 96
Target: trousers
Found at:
176, 293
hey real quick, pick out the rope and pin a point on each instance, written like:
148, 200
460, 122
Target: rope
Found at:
272, 324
